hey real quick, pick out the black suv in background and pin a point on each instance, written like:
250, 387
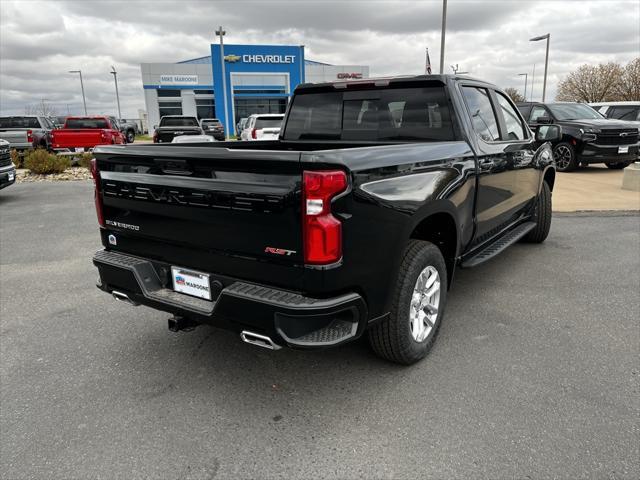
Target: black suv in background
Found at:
174, 126
587, 137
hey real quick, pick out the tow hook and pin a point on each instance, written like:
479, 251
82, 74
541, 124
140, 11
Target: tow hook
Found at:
177, 324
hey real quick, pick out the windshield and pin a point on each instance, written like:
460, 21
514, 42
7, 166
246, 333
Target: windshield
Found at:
268, 122
573, 111
178, 122
419, 113
86, 123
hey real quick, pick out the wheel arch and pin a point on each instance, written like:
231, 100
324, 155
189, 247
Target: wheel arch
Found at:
440, 228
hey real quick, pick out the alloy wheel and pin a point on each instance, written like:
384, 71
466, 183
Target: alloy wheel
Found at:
424, 304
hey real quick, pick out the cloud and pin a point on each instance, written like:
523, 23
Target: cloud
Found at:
41, 41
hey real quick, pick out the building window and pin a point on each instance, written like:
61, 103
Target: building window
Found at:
248, 106
170, 108
262, 91
203, 92
205, 108
166, 92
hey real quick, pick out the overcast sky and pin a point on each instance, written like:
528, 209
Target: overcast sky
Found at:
41, 41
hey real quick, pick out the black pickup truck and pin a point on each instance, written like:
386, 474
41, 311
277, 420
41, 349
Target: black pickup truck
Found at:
172, 126
353, 221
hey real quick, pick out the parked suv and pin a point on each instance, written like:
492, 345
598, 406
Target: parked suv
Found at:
26, 132
213, 127
262, 127
174, 126
587, 137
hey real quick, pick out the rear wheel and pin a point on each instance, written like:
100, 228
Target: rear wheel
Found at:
618, 166
542, 216
418, 302
565, 157
131, 136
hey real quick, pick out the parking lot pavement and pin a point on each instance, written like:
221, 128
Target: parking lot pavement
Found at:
535, 373
593, 188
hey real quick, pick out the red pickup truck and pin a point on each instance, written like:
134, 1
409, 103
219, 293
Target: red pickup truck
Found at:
85, 133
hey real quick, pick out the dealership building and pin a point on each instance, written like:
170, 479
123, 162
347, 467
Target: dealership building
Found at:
257, 79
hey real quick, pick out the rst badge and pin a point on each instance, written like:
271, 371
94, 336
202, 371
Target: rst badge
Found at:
279, 251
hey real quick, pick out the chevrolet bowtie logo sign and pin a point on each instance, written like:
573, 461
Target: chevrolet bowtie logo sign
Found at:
231, 58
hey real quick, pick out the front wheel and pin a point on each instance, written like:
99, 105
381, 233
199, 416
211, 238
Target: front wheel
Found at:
618, 166
565, 157
131, 136
417, 308
542, 216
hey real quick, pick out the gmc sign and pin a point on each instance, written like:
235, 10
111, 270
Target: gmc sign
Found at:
345, 76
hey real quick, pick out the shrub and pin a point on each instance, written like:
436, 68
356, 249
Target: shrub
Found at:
41, 161
85, 160
16, 158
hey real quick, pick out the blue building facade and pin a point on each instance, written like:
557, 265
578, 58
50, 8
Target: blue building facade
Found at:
259, 79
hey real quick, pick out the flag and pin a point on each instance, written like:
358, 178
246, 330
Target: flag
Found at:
427, 67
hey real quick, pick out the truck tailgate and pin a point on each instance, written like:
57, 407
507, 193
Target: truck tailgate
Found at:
212, 209
87, 138
14, 137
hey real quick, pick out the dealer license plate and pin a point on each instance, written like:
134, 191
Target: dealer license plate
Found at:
191, 283
623, 149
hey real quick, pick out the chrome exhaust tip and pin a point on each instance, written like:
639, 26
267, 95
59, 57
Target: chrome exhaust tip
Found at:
123, 297
259, 340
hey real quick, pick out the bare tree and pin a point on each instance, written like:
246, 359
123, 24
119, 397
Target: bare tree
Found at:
43, 108
591, 83
514, 94
629, 86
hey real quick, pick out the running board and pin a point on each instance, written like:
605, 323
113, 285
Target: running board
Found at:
497, 247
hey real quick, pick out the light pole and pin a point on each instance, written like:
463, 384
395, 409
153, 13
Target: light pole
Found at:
84, 100
546, 37
442, 35
221, 33
526, 75
115, 79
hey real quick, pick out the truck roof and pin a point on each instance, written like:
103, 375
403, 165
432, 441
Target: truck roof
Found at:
383, 81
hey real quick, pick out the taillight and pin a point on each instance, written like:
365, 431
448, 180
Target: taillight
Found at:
29, 136
95, 173
322, 232
254, 134
103, 135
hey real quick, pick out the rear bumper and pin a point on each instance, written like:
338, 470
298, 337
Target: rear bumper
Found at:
7, 176
288, 318
593, 153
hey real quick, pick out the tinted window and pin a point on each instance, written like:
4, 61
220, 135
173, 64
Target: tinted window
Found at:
164, 92
19, 122
538, 112
573, 111
268, 122
86, 123
525, 110
482, 115
624, 113
515, 129
178, 122
419, 113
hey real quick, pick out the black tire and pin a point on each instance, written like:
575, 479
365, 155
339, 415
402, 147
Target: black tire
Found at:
131, 136
618, 166
391, 338
542, 217
565, 156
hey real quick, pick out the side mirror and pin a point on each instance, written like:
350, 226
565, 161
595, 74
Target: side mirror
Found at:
155, 126
548, 133
544, 120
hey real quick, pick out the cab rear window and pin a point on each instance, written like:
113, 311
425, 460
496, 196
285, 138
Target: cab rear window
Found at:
389, 114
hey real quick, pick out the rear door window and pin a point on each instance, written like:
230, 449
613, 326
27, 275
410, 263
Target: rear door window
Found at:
390, 114
483, 117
